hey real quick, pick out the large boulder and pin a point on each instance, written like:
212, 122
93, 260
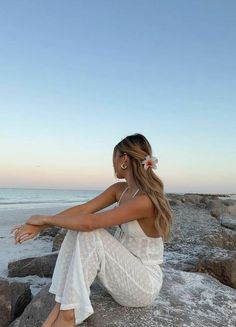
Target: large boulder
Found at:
219, 263
232, 210
14, 297
193, 198
216, 207
37, 310
196, 236
41, 266
175, 202
224, 238
229, 202
58, 239
186, 299
228, 221
206, 198
173, 197
52, 231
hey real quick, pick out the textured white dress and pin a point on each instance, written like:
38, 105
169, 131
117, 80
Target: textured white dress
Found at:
127, 265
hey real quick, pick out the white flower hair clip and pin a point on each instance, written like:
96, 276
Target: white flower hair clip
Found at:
150, 161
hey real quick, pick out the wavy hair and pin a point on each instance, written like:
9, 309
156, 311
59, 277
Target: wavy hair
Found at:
137, 147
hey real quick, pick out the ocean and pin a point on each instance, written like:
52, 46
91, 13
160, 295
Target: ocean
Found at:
22, 198
16, 206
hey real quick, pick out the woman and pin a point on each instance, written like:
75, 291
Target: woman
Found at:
126, 264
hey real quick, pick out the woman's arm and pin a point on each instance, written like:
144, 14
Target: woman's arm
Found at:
28, 231
71, 212
101, 201
138, 207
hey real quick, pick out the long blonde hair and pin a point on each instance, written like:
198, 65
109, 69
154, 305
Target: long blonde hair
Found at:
137, 147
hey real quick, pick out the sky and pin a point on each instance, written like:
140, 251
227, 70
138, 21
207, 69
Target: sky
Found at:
77, 76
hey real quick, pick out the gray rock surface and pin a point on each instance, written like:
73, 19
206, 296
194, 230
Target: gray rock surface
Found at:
195, 237
219, 263
41, 266
52, 231
58, 239
173, 196
186, 299
216, 207
192, 198
229, 202
228, 221
232, 210
14, 297
174, 202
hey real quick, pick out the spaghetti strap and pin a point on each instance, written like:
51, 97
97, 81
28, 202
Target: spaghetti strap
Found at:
123, 194
135, 193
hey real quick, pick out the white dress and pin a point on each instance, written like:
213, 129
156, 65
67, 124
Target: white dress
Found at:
127, 265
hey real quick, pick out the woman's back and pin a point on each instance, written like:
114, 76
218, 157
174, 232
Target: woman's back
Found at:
149, 250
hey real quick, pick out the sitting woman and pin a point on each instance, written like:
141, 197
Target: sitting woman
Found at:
127, 264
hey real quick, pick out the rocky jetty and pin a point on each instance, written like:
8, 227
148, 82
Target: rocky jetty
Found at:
199, 275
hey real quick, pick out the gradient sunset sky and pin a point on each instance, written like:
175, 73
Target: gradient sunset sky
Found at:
78, 76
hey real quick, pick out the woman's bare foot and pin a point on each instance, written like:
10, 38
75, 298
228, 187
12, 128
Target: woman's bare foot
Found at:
66, 318
52, 316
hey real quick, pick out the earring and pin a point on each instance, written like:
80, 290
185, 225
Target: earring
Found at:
122, 166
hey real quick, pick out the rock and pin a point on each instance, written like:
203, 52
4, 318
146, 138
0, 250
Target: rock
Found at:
206, 198
181, 261
219, 263
223, 238
232, 210
41, 266
50, 231
228, 221
173, 196
14, 297
58, 239
229, 202
37, 310
192, 198
15, 323
190, 225
186, 299
216, 207
195, 235
174, 202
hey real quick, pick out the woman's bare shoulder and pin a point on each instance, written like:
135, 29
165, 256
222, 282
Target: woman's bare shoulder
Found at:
120, 187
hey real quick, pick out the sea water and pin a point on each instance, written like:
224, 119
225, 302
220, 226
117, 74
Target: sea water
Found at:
21, 198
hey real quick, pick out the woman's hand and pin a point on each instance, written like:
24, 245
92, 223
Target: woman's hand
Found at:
37, 220
25, 232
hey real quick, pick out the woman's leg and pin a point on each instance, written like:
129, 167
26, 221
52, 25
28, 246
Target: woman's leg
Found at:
65, 319
98, 253
68, 284
52, 316
123, 274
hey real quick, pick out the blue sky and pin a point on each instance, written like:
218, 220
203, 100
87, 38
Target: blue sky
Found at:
78, 76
